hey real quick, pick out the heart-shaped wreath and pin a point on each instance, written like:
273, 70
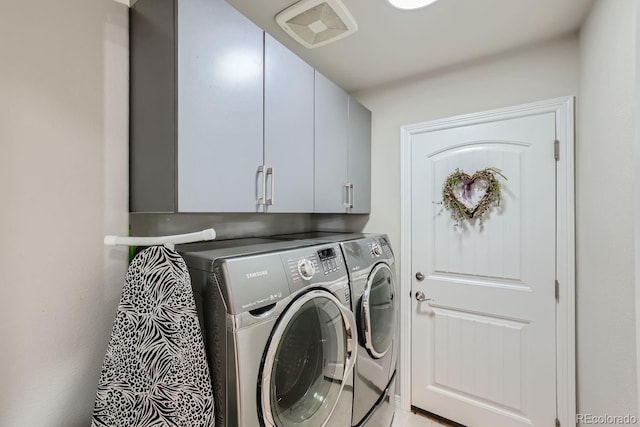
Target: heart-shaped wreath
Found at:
460, 190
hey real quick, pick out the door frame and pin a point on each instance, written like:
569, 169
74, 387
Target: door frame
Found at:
565, 241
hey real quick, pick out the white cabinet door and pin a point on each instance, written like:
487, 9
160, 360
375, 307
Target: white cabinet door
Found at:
288, 129
219, 108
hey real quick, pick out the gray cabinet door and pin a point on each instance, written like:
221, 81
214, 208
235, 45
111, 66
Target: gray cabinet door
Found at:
219, 108
331, 146
288, 129
360, 156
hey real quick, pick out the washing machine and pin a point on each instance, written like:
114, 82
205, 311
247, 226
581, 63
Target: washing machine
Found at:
280, 335
371, 266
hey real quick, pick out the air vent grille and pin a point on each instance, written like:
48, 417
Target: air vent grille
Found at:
315, 23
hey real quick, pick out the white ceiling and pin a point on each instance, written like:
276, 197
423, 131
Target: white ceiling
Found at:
392, 44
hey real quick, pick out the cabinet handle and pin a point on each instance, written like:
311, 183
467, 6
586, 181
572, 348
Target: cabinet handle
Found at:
271, 171
348, 193
349, 187
263, 186
353, 195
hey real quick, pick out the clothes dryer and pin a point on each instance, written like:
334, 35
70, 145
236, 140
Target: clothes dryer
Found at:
371, 266
279, 333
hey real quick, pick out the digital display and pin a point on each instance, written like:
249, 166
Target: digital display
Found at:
325, 254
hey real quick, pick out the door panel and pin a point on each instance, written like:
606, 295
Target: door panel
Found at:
331, 146
497, 250
484, 345
360, 156
472, 370
288, 129
220, 108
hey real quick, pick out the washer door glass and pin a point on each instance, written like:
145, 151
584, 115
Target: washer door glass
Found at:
307, 362
378, 311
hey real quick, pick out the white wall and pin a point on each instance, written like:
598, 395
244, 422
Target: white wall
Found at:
63, 185
544, 71
605, 223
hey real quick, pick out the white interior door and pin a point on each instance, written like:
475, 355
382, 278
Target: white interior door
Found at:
483, 348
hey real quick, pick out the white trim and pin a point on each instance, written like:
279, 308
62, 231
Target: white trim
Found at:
637, 203
405, 268
565, 244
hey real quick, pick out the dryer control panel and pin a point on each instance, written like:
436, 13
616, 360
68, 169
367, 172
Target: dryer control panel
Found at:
363, 253
380, 248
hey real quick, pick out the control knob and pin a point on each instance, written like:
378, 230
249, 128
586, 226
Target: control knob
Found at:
376, 249
306, 269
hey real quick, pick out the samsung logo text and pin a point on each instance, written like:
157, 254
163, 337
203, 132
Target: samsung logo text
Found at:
257, 274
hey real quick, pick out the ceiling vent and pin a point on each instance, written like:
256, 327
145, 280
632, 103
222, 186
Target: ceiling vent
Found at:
315, 23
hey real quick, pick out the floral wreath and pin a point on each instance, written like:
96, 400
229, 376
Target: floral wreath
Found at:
459, 210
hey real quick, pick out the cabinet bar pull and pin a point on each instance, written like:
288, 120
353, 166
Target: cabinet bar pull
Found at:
348, 193
271, 171
262, 196
353, 196
349, 187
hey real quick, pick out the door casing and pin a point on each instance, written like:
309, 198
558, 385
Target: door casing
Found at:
565, 241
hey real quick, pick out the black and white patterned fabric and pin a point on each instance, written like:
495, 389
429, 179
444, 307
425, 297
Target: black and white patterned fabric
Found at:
155, 371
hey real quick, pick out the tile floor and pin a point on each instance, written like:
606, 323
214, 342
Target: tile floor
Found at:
408, 419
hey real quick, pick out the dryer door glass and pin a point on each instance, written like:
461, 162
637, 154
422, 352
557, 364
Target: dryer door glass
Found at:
378, 311
306, 362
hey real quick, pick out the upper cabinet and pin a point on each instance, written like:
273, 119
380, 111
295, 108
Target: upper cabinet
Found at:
342, 151
196, 107
226, 119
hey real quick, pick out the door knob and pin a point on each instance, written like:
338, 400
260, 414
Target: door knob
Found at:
421, 297
419, 276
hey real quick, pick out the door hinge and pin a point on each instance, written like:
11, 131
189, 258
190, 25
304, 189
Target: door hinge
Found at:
557, 422
556, 150
557, 291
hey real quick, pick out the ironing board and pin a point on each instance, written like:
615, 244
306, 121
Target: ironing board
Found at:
155, 371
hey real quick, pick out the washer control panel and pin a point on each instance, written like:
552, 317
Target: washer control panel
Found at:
314, 265
329, 260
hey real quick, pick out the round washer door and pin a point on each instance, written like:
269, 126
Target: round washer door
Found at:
307, 361
378, 311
